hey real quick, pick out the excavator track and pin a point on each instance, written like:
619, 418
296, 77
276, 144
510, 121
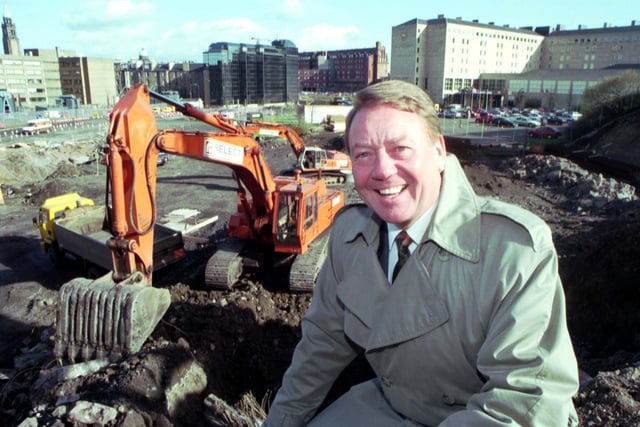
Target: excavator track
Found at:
305, 268
225, 266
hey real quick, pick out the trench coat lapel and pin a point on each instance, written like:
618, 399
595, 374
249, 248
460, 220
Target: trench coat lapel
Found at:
410, 309
392, 314
366, 285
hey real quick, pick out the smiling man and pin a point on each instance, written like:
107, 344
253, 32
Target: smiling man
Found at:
472, 329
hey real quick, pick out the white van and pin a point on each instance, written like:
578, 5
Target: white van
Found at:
37, 126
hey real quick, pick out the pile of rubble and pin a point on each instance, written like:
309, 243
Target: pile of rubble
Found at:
587, 191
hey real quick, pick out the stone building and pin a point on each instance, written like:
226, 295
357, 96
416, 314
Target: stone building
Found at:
10, 41
186, 78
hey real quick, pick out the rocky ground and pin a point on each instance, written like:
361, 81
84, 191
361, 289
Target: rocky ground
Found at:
217, 357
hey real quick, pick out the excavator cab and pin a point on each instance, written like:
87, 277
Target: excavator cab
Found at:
288, 213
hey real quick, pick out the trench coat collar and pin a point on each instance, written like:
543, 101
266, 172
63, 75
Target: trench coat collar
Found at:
455, 225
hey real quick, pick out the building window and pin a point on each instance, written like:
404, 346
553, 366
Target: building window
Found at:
448, 84
579, 87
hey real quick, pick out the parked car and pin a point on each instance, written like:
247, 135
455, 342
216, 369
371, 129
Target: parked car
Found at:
484, 118
555, 120
545, 132
455, 114
163, 158
502, 122
526, 122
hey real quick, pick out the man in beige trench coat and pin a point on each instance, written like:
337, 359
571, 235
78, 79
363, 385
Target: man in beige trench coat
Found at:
471, 332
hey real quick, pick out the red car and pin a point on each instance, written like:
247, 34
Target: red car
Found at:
484, 118
545, 132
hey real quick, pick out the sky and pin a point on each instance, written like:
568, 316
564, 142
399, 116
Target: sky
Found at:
181, 30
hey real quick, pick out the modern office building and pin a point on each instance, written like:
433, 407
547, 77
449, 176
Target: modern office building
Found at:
32, 80
252, 74
342, 70
489, 65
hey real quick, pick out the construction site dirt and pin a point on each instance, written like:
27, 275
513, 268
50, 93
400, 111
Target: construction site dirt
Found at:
217, 357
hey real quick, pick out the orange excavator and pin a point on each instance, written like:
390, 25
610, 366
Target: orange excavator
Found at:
334, 165
280, 218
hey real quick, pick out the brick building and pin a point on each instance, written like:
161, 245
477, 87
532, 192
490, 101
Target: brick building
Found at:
342, 70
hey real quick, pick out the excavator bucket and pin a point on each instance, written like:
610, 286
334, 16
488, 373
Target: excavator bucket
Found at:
100, 318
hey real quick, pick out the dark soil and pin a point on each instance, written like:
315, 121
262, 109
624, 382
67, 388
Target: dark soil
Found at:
223, 353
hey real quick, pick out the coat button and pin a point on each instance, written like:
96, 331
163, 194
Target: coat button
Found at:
386, 381
448, 399
443, 255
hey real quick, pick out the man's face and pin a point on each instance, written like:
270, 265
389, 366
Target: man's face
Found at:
396, 168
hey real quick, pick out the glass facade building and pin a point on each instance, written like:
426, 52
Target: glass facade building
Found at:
252, 74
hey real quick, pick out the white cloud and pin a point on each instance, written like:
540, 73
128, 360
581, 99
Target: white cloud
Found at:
98, 15
329, 37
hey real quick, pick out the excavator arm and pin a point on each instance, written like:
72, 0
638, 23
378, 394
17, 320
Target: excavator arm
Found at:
215, 120
131, 172
257, 127
134, 143
243, 156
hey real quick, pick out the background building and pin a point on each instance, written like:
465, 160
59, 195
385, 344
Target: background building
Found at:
486, 65
188, 79
32, 80
252, 74
10, 41
342, 70
36, 78
90, 80
456, 61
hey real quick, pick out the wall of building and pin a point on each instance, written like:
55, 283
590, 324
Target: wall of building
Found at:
589, 49
346, 70
405, 53
456, 60
99, 82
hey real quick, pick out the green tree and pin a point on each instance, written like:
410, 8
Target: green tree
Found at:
614, 95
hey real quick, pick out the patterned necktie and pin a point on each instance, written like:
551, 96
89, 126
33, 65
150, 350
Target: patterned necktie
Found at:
403, 240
